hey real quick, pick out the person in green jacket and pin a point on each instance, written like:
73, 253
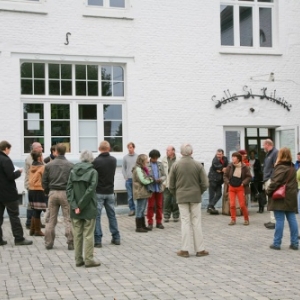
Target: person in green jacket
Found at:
81, 193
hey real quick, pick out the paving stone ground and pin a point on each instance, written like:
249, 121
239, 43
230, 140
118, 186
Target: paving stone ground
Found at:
145, 265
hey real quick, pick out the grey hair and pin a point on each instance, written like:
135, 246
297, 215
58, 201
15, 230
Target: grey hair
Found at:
186, 149
86, 156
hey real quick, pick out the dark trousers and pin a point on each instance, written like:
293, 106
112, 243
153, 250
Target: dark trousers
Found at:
215, 193
12, 208
170, 205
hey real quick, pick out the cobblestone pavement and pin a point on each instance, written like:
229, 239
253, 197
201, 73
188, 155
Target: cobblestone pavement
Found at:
145, 265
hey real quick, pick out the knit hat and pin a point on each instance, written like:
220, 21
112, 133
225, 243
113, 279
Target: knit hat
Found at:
243, 152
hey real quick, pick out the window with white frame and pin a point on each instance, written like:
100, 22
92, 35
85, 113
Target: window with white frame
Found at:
28, 6
107, 3
72, 104
247, 23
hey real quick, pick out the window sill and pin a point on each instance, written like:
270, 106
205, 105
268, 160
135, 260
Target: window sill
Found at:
249, 51
35, 8
100, 12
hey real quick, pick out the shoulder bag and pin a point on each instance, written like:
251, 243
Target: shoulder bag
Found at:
280, 192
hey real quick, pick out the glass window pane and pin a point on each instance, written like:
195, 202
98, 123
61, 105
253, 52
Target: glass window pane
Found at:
116, 143
66, 88
33, 108
39, 87
226, 19
87, 112
106, 89
92, 88
54, 87
26, 70
60, 128
53, 71
65, 140
269, 1
88, 143
30, 140
246, 34
26, 87
80, 71
80, 88
66, 71
117, 3
118, 89
112, 112
88, 128
113, 128
251, 132
95, 2
118, 74
232, 141
265, 27
92, 72
33, 128
60, 111
39, 70
263, 132
106, 73
247, 0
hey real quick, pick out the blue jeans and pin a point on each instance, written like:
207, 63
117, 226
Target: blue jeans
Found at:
298, 201
291, 218
128, 185
140, 208
108, 202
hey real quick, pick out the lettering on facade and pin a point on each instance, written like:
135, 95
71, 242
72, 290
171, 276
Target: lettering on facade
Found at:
248, 94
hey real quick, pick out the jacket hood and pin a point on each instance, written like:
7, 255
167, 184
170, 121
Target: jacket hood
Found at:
35, 169
81, 168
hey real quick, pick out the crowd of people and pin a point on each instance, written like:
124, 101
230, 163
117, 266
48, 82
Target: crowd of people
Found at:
172, 187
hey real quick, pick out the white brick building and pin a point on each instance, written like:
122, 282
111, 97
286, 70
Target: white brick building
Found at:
146, 71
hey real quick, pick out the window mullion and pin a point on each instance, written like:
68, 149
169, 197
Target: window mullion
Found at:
256, 25
236, 25
47, 126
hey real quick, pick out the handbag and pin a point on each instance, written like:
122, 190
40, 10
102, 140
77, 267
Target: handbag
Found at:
280, 192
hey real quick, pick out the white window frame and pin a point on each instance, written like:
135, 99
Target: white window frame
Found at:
74, 102
36, 7
255, 49
106, 11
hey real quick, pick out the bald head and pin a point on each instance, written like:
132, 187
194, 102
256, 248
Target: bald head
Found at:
37, 147
170, 151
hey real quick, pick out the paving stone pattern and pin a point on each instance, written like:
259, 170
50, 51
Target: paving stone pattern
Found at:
145, 265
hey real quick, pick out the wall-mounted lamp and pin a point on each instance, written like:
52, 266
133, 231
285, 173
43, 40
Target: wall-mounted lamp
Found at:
252, 109
272, 77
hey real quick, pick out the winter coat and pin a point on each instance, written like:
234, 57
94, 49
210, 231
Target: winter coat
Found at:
216, 165
188, 180
161, 175
8, 188
245, 175
81, 191
279, 177
139, 181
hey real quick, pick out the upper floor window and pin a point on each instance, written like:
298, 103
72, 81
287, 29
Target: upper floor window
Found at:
107, 3
247, 23
29, 6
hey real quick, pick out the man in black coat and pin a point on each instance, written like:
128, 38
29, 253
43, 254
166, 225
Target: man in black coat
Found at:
215, 177
9, 196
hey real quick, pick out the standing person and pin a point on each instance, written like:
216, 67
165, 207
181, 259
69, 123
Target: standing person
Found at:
298, 197
81, 193
245, 161
215, 177
237, 176
129, 161
141, 178
170, 204
51, 156
36, 147
105, 165
269, 163
188, 181
55, 179
157, 172
36, 195
297, 163
284, 173
9, 196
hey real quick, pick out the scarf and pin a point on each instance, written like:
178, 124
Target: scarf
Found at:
238, 170
146, 170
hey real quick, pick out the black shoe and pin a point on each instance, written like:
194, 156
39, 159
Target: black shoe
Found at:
71, 246
167, 220
43, 226
268, 223
2, 243
23, 243
160, 226
176, 219
149, 227
294, 247
274, 247
98, 245
270, 226
212, 211
116, 242
27, 226
80, 264
49, 247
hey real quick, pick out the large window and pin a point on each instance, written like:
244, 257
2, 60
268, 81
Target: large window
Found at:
107, 3
76, 104
247, 23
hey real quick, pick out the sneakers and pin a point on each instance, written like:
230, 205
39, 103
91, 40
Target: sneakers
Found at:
202, 253
116, 242
98, 245
160, 226
232, 222
274, 247
2, 243
71, 246
183, 253
23, 243
212, 211
131, 213
94, 263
